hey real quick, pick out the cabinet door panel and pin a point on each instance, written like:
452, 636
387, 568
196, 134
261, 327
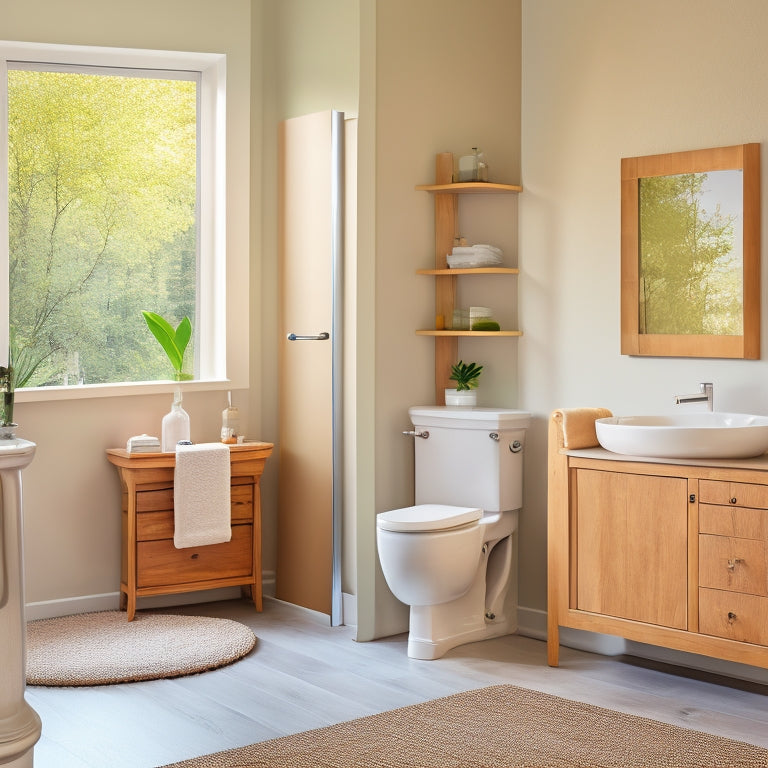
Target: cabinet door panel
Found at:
632, 546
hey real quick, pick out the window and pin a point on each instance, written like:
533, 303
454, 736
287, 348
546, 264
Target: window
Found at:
106, 158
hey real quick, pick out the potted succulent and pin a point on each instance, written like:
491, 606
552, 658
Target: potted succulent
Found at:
466, 376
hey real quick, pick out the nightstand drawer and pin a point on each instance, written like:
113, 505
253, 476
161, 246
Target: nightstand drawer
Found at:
737, 565
735, 494
160, 525
733, 616
160, 563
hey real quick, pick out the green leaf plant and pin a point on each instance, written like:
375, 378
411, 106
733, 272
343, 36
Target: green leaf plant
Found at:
465, 375
174, 342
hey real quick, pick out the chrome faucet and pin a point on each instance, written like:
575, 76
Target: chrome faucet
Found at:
705, 395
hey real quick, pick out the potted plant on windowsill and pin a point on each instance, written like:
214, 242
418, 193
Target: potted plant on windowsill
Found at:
174, 342
466, 376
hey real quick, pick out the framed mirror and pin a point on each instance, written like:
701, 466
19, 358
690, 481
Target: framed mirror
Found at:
690, 253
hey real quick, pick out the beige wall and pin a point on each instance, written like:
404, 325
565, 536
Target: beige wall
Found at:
71, 493
305, 60
605, 80
447, 79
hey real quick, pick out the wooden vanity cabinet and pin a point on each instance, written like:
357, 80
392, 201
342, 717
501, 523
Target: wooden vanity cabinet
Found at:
668, 554
151, 564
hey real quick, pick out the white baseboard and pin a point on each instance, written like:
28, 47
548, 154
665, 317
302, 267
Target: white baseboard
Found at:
110, 601
349, 609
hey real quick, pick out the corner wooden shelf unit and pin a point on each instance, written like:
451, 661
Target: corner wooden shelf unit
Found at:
151, 565
446, 196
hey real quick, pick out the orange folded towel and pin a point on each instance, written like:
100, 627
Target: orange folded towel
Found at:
578, 426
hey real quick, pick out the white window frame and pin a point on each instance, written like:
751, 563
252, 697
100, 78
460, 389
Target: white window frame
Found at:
211, 347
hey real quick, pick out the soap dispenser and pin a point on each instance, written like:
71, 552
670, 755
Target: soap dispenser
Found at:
175, 425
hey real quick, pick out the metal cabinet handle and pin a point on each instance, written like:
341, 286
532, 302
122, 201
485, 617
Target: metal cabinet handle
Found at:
319, 337
424, 434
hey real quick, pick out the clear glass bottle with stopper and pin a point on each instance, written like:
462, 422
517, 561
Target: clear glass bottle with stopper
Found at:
175, 425
230, 422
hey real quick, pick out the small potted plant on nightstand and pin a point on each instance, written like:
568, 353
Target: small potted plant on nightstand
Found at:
465, 375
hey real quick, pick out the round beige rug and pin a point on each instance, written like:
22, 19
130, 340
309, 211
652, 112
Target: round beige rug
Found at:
103, 648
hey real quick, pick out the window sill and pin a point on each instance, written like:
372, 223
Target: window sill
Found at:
89, 391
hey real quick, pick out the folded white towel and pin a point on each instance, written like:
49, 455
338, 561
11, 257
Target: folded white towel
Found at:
201, 495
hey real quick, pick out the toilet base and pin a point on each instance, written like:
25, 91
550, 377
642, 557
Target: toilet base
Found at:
426, 646
487, 610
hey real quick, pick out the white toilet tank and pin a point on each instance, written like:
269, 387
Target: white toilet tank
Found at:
473, 457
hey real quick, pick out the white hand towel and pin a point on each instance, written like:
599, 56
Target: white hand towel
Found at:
201, 495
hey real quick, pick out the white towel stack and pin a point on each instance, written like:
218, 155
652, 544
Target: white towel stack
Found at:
481, 255
201, 495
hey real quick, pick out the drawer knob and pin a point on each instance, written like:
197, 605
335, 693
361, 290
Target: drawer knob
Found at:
196, 555
732, 500
731, 616
733, 562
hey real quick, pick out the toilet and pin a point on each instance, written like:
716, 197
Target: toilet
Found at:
453, 556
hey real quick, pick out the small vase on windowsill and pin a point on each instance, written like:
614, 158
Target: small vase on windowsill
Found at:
7, 425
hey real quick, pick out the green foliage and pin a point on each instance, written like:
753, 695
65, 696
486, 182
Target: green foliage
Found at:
102, 196
174, 342
465, 375
690, 279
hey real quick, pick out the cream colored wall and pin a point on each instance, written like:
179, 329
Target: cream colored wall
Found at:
447, 79
605, 80
71, 493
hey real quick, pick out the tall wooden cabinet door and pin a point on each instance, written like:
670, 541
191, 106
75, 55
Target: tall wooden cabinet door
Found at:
631, 546
305, 525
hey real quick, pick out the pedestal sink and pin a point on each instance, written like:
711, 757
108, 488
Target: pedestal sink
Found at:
19, 723
685, 436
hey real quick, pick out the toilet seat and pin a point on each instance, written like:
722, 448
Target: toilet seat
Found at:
427, 517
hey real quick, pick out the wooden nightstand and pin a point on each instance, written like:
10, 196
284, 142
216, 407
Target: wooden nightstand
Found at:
151, 565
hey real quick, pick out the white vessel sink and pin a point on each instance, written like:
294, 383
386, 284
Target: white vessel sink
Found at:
685, 436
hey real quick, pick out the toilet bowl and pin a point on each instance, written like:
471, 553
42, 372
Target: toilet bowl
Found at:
452, 556
454, 575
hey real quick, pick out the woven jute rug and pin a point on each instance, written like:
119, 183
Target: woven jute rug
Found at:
104, 647
498, 727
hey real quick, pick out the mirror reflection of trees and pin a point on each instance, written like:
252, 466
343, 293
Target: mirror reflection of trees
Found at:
690, 276
102, 197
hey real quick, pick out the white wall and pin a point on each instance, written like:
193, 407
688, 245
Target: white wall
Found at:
604, 80
71, 492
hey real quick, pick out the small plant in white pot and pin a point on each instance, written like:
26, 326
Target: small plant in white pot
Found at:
465, 375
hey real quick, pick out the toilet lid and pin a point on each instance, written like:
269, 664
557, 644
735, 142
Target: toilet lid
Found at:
427, 517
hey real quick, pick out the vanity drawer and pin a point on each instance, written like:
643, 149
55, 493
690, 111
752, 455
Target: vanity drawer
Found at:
152, 525
735, 494
737, 565
733, 616
160, 563
742, 522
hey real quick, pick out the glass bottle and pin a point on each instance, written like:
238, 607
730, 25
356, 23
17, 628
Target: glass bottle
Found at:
175, 425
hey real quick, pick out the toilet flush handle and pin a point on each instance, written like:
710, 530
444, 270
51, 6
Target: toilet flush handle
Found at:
416, 433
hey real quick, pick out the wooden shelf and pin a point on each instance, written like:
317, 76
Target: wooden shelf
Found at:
470, 271
471, 188
428, 332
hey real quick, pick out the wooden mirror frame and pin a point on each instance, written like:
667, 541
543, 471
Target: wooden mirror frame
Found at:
744, 157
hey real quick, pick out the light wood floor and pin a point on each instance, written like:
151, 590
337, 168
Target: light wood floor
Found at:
304, 674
